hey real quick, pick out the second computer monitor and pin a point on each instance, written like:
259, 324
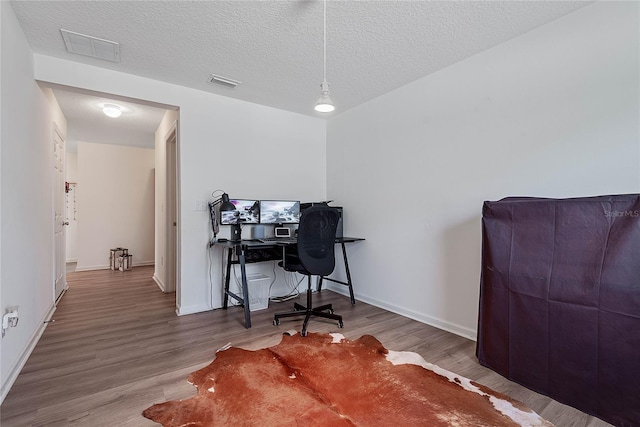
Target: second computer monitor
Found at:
279, 212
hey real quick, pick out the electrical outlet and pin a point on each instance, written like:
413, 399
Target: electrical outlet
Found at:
10, 318
200, 205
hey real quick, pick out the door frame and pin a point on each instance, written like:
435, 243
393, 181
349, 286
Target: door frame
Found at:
172, 221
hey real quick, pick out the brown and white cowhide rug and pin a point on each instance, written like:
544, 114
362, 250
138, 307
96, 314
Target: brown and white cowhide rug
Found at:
326, 380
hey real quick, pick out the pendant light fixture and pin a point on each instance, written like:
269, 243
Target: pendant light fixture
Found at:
324, 104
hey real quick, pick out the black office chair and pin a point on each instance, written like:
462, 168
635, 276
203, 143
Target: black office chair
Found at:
313, 255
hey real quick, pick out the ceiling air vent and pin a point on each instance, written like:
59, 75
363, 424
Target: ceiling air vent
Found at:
222, 81
91, 46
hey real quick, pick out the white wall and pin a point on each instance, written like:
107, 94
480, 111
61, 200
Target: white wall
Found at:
26, 173
81, 130
115, 196
4, 383
552, 113
224, 144
2, 60
232, 145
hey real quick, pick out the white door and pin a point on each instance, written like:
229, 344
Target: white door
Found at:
59, 214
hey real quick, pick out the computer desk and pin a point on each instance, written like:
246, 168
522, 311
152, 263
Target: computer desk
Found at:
250, 251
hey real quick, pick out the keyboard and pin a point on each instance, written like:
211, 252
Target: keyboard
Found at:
278, 240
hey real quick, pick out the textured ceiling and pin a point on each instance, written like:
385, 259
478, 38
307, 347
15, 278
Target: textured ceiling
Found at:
275, 47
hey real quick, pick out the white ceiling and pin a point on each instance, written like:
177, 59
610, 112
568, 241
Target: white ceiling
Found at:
136, 117
275, 47
86, 122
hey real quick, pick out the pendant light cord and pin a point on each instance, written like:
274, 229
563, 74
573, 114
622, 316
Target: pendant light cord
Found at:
324, 41
324, 104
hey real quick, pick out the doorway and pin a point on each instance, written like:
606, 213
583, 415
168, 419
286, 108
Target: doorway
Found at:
142, 125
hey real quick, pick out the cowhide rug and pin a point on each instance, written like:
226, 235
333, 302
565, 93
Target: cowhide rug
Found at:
326, 380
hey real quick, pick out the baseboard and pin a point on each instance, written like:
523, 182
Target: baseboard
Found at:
420, 317
192, 309
31, 345
92, 267
107, 266
72, 260
160, 284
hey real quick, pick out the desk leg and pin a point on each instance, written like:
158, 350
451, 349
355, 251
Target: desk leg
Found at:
346, 268
227, 278
245, 290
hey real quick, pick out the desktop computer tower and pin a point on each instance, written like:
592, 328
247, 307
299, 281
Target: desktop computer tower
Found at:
339, 230
258, 232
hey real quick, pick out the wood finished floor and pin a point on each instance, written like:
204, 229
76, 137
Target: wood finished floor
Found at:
117, 347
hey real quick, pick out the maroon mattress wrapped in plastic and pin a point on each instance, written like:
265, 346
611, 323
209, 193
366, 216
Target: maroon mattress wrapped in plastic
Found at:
560, 300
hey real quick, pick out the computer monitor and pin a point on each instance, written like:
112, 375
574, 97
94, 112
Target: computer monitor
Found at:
247, 212
279, 212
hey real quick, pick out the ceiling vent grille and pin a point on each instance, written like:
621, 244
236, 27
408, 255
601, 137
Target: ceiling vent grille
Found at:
222, 81
91, 46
